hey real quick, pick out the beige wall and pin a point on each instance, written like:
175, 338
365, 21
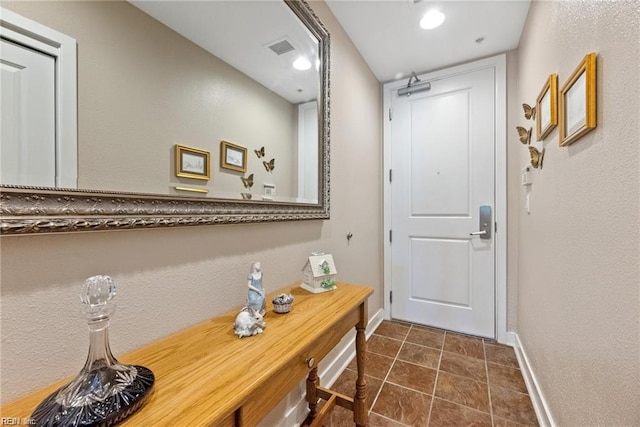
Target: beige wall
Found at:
172, 278
578, 252
142, 88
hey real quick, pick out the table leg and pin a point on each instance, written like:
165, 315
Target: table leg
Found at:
360, 400
312, 395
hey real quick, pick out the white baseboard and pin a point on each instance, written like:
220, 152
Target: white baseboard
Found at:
543, 413
293, 410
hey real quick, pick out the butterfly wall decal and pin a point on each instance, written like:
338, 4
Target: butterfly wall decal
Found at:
536, 157
260, 152
524, 134
248, 181
270, 165
529, 111
246, 196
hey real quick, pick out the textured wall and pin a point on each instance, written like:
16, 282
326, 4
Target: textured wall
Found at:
173, 278
578, 294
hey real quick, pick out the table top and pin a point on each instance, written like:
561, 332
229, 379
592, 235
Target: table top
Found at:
205, 372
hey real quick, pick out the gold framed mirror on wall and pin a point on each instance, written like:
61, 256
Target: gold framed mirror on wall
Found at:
126, 168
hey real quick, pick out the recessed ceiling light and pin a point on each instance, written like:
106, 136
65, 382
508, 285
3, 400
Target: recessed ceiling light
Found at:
432, 19
301, 63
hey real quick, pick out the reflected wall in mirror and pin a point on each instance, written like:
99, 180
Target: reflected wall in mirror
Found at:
147, 83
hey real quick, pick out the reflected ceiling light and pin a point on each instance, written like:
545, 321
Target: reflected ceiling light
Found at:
432, 19
301, 63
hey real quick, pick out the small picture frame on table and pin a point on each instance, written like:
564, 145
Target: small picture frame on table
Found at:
578, 102
547, 108
192, 162
233, 156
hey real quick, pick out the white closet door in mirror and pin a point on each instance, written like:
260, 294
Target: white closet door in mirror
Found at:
28, 117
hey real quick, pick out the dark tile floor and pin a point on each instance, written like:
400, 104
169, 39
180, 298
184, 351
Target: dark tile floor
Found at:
420, 376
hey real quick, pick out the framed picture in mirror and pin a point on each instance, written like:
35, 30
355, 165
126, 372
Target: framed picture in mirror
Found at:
233, 156
578, 102
192, 163
547, 108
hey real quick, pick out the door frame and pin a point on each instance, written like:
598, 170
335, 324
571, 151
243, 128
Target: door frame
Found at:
499, 63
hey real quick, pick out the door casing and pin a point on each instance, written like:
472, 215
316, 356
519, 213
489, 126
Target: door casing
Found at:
498, 62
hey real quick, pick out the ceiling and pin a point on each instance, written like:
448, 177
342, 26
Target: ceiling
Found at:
386, 32
388, 35
240, 33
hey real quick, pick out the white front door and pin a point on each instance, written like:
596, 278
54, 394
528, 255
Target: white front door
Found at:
443, 172
28, 115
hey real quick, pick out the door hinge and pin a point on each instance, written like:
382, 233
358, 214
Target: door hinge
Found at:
390, 115
496, 228
390, 175
391, 297
390, 236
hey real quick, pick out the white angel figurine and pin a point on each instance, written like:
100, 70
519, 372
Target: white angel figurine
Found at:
256, 295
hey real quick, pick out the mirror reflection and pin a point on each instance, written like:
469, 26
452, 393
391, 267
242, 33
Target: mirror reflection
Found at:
198, 99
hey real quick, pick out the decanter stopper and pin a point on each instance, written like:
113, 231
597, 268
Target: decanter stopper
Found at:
105, 391
97, 293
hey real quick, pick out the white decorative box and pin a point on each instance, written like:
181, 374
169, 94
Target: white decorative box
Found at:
319, 273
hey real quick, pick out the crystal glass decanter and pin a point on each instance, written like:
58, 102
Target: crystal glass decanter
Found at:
105, 391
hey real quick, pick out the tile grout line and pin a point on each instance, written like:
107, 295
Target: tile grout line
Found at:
373, 403
486, 368
391, 419
435, 382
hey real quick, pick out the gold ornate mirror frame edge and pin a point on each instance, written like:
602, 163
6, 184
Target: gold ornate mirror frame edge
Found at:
37, 210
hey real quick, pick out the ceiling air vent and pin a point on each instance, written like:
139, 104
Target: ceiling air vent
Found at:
281, 47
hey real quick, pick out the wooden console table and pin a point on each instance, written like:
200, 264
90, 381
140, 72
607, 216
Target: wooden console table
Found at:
207, 376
